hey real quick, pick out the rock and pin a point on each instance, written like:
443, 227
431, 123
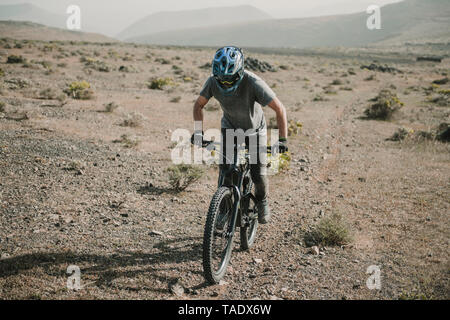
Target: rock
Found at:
443, 132
441, 81
362, 179
430, 58
257, 260
4, 256
254, 64
156, 233
222, 283
385, 68
314, 250
176, 288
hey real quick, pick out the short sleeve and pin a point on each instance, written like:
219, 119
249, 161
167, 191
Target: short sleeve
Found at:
263, 94
207, 89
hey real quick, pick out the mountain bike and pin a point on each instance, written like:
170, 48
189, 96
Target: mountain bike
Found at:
232, 206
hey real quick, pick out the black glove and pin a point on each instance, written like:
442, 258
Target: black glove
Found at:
282, 145
197, 138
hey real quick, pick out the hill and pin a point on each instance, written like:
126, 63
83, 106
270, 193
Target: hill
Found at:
411, 20
23, 30
32, 13
169, 21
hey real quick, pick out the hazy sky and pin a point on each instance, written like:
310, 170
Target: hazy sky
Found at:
112, 16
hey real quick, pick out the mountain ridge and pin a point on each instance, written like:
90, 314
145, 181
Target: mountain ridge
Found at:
169, 20
426, 17
26, 30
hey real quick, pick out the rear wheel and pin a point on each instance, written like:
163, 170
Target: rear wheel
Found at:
217, 243
249, 217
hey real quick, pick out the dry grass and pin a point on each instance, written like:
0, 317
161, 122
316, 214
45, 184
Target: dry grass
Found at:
330, 231
133, 120
183, 175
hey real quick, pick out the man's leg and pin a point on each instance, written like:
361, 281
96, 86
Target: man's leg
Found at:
223, 166
258, 172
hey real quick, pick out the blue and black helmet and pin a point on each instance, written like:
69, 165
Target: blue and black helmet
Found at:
228, 68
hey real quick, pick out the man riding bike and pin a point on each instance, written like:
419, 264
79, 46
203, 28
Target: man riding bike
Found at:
237, 90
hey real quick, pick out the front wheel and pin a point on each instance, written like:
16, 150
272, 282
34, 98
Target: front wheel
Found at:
217, 242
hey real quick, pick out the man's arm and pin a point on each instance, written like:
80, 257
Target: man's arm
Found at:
280, 111
198, 112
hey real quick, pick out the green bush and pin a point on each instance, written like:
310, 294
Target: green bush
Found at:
386, 104
79, 90
95, 64
160, 83
182, 176
401, 134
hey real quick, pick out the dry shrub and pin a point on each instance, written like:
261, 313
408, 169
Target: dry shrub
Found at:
182, 176
160, 83
401, 134
330, 231
441, 98
386, 104
80, 90
337, 82
133, 120
51, 94
175, 99
127, 142
110, 107
441, 133
294, 128
95, 64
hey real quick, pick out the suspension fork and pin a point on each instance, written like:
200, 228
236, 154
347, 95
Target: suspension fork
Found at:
237, 201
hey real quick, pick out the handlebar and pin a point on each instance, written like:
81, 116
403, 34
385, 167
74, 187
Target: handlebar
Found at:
211, 145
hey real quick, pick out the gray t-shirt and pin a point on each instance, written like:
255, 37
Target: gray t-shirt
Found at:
239, 108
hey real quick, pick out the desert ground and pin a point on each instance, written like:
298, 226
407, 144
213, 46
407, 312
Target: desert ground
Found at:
83, 181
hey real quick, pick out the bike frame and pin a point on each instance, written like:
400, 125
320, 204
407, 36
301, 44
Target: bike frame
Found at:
241, 170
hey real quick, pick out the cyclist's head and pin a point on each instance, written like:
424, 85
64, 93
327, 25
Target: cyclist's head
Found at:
228, 68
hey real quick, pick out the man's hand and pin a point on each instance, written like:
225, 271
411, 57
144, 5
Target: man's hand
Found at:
197, 138
281, 145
